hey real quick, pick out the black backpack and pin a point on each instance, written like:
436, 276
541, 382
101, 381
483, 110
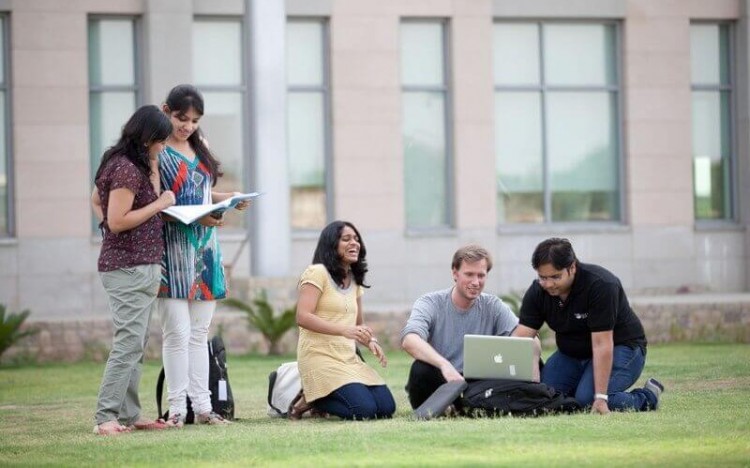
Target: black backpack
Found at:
499, 397
222, 400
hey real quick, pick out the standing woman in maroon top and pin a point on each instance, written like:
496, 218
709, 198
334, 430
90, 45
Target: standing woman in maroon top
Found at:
127, 201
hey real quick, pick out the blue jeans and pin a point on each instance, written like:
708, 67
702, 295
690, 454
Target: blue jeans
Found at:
575, 377
358, 401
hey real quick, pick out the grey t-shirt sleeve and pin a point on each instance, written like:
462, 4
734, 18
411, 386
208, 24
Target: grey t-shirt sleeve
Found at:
420, 319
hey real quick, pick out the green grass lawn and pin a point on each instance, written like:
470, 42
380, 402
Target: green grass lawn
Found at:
46, 418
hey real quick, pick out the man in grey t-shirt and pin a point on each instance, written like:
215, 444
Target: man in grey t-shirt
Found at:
435, 331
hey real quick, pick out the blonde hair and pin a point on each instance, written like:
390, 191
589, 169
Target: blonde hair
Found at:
471, 253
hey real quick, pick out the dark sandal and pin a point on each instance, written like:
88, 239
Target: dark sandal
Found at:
316, 413
298, 407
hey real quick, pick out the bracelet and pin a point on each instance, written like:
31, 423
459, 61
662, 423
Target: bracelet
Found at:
601, 396
373, 340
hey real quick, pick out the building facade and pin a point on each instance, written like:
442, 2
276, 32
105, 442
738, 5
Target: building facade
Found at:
620, 124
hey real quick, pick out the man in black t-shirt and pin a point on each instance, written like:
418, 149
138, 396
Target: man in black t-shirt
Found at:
601, 343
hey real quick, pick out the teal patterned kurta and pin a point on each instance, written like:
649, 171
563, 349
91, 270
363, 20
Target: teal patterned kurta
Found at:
192, 266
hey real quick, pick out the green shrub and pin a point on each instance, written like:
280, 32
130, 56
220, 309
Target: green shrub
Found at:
513, 300
10, 328
261, 315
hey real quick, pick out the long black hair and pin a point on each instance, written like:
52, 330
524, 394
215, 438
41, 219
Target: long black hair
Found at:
147, 125
181, 99
327, 253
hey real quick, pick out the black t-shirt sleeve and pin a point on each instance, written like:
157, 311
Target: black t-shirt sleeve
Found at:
532, 310
602, 306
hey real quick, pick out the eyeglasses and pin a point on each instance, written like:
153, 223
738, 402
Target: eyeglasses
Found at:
551, 278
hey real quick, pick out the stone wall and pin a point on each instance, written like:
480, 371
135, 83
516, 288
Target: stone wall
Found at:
689, 317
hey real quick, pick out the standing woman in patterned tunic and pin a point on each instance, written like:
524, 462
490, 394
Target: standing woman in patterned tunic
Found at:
192, 271
334, 378
127, 201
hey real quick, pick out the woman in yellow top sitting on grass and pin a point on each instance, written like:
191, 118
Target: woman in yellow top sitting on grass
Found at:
335, 379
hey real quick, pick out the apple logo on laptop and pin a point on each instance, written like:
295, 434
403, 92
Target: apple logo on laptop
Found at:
498, 358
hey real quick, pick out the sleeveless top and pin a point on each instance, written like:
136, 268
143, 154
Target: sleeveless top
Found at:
192, 264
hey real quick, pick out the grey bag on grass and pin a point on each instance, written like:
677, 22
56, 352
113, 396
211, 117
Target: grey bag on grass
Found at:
440, 400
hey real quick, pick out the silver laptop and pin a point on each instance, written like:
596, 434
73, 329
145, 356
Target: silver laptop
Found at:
498, 357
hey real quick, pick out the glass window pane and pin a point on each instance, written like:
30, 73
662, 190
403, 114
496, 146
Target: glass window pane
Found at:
518, 155
425, 159
306, 149
711, 153
222, 126
304, 53
516, 54
4, 196
582, 147
2, 50
709, 51
111, 52
108, 112
217, 53
579, 54
422, 54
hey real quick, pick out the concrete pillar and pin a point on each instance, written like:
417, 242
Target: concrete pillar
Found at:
743, 125
270, 225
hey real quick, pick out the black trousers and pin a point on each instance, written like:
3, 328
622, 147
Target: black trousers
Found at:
424, 379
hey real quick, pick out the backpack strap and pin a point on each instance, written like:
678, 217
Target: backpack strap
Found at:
271, 384
215, 346
159, 392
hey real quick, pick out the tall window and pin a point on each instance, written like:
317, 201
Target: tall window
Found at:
308, 123
113, 81
217, 71
425, 102
557, 121
711, 77
6, 188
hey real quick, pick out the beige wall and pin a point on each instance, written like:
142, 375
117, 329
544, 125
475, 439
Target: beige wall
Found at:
50, 265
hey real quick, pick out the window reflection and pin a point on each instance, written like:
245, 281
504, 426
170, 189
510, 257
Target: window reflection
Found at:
556, 131
307, 123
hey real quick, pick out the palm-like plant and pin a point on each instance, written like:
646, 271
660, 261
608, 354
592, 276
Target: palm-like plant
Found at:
513, 300
260, 314
10, 328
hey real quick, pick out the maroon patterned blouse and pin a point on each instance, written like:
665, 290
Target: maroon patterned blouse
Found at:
142, 245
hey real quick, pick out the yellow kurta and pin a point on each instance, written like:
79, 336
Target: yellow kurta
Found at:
328, 362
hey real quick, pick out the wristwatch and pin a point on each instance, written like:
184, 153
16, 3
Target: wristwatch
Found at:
601, 396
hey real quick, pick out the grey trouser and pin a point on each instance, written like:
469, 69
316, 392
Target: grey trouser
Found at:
132, 297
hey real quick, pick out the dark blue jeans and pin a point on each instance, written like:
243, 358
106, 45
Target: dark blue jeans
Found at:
358, 401
575, 377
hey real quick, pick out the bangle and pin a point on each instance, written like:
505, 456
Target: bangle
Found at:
601, 396
373, 340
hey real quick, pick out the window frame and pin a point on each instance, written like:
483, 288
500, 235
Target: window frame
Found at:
732, 217
544, 89
446, 89
6, 87
325, 91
